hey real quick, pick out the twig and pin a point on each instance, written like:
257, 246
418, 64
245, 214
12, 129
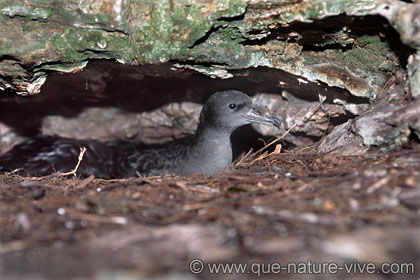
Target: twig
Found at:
387, 84
14, 171
244, 157
305, 118
276, 151
73, 172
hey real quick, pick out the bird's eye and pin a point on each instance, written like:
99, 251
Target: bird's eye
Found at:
232, 106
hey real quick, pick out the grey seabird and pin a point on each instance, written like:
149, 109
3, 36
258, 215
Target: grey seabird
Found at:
206, 152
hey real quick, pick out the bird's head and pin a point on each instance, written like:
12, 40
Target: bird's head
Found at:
230, 109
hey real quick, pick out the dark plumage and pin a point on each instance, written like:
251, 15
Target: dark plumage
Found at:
208, 151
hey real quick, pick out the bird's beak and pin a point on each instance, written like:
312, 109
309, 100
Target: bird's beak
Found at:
254, 116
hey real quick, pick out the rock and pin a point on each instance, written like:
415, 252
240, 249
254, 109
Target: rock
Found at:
353, 53
342, 141
170, 122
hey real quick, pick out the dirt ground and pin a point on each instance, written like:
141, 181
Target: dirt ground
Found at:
295, 210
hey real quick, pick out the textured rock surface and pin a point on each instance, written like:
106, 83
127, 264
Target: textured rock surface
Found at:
112, 101
363, 47
170, 122
293, 206
40, 35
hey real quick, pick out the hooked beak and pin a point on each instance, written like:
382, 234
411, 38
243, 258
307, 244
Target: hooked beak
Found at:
254, 116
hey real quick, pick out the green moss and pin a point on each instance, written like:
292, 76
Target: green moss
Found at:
368, 52
175, 26
12, 10
221, 47
144, 31
161, 31
84, 44
42, 2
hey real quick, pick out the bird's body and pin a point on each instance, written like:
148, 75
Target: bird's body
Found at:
184, 157
207, 152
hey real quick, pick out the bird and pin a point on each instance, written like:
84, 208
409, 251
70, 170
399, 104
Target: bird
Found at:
208, 151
